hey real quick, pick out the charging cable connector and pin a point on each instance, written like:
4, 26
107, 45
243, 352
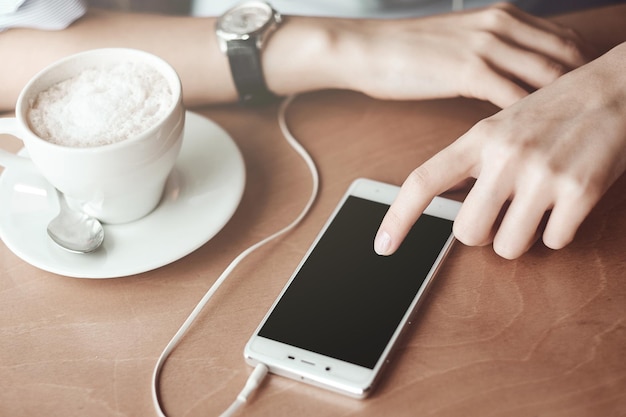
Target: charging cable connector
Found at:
254, 380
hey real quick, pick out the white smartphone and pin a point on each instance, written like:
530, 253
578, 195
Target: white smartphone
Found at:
337, 319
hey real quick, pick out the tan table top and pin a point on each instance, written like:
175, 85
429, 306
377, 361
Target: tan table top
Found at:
541, 335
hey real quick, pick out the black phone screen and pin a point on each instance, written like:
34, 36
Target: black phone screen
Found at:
346, 301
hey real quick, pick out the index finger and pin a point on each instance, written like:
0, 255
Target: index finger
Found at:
444, 170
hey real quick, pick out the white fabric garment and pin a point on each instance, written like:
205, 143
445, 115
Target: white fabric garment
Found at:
40, 14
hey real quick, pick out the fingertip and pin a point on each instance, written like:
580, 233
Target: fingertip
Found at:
382, 243
506, 251
557, 241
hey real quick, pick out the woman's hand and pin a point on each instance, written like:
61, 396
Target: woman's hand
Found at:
547, 159
498, 53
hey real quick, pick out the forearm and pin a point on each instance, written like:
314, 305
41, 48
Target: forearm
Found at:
189, 44
299, 57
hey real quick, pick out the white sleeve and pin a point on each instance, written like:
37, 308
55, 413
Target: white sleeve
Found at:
40, 14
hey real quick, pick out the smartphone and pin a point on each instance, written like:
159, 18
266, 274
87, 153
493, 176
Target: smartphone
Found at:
336, 321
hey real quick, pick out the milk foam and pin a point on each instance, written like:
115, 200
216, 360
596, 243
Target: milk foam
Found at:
101, 106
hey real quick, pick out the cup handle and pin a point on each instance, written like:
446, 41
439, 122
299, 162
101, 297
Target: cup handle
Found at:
8, 160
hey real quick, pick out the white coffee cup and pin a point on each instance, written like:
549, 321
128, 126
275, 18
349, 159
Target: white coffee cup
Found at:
118, 182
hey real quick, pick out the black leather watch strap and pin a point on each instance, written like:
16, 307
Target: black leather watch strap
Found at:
247, 72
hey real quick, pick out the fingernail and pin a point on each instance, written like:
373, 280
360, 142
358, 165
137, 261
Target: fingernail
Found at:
382, 243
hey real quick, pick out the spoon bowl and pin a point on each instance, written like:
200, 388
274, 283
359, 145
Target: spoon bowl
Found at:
75, 231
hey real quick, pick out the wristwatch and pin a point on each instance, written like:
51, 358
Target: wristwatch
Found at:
241, 32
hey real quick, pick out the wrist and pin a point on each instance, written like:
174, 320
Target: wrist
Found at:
308, 54
604, 77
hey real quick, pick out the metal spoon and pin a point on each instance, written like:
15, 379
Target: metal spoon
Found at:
75, 231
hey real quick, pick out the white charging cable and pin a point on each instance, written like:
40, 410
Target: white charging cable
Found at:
259, 373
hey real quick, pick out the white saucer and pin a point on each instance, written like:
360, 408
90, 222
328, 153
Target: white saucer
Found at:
200, 197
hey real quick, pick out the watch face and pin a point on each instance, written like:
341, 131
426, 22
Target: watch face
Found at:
246, 18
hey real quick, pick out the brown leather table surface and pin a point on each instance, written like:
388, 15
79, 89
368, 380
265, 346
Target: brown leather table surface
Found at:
544, 335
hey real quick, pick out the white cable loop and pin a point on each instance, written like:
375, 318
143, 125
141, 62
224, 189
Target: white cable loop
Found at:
261, 370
